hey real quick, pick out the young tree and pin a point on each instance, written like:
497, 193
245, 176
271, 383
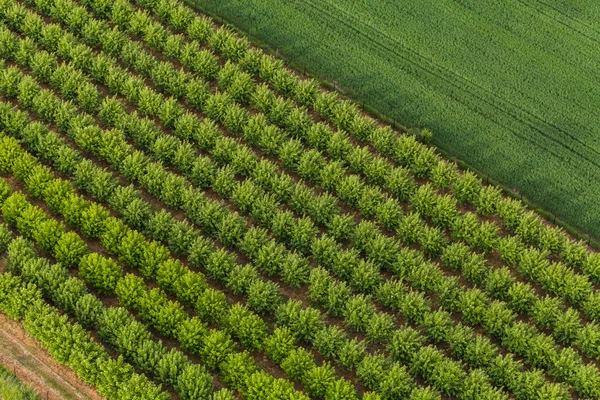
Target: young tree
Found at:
69, 249
280, 343
102, 272
263, 296
298, 363
212, 305
318, 379
237, 369
217, 345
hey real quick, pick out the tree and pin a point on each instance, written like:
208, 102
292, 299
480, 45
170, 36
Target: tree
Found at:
93, 220
359, 311
188, 285
328, 341
341, 389
473, 305
217, 345
280, 343
396, 383
477, 385
338, 294
102, 273
194, 383
380, 328
248, 327
366, 277
298, 363
170, 366
69, 249
263, 296
241, 278
48, 233
351, 353
211, 305
488, 200
219, 264
304, 323
414, 307
87, 310
424, 393
318, 379
467, 187
521, 297
372, 370
237, 369
404, 343
294, 270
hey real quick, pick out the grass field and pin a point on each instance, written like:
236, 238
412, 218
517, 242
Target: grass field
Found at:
510, 88
12, 389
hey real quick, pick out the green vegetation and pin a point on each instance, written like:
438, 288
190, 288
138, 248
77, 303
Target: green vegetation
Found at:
178, 199
12, 389
510, 88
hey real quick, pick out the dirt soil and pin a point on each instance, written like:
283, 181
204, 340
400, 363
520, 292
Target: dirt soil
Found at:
33, 366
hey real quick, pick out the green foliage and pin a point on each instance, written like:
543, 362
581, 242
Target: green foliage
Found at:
329, 340
237, 368
280, 343
194, 383
263, 296
318, 379
358, 313
351, 353
380, 327
69, 249
211, 305
216, 346
102, 273
246, 326
298, 363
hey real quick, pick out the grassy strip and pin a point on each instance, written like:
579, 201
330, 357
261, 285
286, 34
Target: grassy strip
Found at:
11, 388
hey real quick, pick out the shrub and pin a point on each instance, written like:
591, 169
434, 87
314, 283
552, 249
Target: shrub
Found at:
237, 368
217, 345
380, 328
263, 296
69, 249
211, 305
318, 379
298, 363
359, 311
279, 344
372, 370
328, 341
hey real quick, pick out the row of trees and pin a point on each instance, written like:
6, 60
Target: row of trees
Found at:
70, 293
484, 239
433, 240
166, 316
116, 240
344, 115
114, 378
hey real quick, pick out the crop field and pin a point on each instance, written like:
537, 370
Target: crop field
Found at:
508, 87
184, 217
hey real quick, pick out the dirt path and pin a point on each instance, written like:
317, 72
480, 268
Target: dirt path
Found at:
33, 366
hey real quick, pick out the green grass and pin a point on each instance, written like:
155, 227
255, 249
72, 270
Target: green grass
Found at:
511, 88
12, 389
